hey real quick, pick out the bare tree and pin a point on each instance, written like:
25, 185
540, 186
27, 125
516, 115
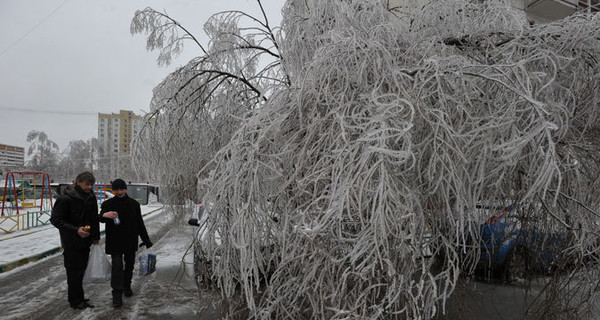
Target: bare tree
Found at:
381, 134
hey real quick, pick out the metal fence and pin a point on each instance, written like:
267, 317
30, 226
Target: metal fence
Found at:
24, 221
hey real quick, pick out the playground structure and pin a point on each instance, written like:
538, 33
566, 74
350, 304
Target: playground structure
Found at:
26, 201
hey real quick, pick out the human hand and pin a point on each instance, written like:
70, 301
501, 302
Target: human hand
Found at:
82, 232
147, 245
110, 214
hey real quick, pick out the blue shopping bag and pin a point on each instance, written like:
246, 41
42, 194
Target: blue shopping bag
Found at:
147, 262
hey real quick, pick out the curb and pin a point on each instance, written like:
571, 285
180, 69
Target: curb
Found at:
21, 262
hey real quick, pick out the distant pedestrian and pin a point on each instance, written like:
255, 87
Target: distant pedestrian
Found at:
124, 223
75, 214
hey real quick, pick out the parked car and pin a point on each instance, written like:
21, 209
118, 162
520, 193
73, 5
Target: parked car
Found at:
202, 259
511, 248
202, 265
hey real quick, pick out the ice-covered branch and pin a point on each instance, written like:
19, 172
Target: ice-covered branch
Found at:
365, 163
382, 139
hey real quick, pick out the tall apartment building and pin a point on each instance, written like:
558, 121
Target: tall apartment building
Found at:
11, 157
115, 133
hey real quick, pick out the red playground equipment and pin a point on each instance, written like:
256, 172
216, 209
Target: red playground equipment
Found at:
26, 200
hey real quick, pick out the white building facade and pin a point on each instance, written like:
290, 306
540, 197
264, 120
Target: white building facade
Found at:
11, 158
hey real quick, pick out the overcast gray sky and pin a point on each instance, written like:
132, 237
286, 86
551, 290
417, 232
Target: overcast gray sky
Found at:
64, 61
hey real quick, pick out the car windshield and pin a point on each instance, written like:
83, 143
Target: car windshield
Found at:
139, 193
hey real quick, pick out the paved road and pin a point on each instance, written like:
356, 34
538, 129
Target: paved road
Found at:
474, 300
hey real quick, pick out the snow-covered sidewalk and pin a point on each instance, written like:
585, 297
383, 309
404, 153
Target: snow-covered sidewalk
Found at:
24, 246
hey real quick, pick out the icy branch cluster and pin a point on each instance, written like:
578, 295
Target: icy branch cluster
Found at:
379, 141
197, 107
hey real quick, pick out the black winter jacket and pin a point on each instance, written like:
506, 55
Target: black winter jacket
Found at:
72, 210
123, 238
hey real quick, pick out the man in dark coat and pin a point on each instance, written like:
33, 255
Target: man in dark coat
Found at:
122, 238
73, 212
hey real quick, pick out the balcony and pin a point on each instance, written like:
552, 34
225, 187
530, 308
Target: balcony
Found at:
550, 10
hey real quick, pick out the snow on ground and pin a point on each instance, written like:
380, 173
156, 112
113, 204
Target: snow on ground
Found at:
38, 290
174, 283
168, 293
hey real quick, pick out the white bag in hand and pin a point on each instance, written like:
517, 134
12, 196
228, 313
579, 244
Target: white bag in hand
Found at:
98, 268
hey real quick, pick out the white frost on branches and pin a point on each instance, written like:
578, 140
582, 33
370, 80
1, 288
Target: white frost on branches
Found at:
196, 108
379, 134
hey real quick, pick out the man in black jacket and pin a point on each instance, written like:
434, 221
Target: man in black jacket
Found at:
124, 223
75, 214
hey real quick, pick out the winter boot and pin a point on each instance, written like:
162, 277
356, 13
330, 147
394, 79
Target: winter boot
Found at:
117, 299
127, 292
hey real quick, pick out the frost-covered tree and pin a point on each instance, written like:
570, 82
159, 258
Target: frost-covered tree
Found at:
80, 156
42, 152
196, 108
382, 132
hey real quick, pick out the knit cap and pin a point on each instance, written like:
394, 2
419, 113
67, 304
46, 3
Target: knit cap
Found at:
119, 184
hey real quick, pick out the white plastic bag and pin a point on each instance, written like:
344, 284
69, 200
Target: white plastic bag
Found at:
98, 268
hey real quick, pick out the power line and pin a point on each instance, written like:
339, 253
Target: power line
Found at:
33, 28
30, 110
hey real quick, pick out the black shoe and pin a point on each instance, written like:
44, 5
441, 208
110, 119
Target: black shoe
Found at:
117, 302
82, 305
127, 292
79, 306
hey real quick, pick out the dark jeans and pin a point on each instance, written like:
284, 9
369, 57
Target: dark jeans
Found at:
121, 273
76, 260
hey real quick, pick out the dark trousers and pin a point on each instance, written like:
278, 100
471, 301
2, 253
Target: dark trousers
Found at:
76, 260
122, 272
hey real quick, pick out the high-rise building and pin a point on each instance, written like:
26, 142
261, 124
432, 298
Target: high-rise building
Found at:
11, 157
115, 134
